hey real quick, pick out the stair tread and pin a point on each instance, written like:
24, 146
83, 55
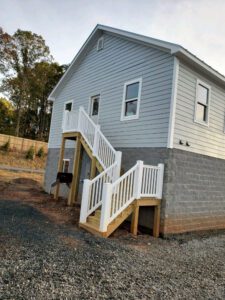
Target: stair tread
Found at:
91, 228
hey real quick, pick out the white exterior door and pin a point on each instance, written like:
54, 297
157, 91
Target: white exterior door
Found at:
94, 108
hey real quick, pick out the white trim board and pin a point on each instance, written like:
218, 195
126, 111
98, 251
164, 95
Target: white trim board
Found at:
173, 103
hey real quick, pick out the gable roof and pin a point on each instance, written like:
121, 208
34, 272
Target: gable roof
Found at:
173, 49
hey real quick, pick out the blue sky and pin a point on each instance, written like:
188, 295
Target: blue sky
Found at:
198, 25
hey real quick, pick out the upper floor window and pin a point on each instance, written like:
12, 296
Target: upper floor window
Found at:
100, 44
131, 99
68, 105
202, 103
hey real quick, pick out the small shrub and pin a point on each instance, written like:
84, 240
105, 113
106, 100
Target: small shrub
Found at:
30, 153
6, 146
41, 152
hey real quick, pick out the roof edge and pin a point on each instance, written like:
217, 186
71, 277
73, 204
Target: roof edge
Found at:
182, 52
51, 96
174, 49
145, 39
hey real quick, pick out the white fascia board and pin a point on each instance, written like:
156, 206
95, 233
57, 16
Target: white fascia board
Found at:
141, 38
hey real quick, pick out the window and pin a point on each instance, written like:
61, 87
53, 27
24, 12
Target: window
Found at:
100, 44
66, 163
202, 103
131, 100
94, 105
68, 105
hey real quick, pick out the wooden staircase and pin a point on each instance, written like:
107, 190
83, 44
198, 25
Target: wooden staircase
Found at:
109, 199
93, 222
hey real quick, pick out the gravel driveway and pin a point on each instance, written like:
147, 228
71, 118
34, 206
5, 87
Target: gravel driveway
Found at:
41, 259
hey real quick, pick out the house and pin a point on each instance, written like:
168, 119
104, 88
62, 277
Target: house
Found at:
157, 106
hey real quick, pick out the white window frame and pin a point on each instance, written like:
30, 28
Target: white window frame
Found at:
90, 103
127, 118
200, 82
101, 39
70, 101
64, 160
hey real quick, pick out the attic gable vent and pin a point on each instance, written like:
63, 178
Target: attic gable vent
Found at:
100, 44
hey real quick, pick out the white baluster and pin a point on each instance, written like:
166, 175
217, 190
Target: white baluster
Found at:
85, 201
138, 179
160, 181
118, 159
106, 206
96, 140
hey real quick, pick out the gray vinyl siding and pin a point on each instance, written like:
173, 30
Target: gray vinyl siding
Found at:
204, 140
105, 72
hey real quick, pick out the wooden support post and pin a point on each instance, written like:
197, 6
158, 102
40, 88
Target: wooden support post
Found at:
93, 168
60, 166
76, 173
156, 223
134, 221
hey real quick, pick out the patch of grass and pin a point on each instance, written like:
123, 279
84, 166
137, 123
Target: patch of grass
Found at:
17, 159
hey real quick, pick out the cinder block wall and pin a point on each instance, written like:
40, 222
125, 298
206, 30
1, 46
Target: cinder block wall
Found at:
194, 189
194, 193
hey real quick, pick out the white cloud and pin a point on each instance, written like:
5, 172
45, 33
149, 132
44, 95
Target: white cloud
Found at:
198, 25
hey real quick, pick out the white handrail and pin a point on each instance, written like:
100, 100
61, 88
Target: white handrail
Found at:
92, 191
80, 121
108, 190
140, 181
107, 156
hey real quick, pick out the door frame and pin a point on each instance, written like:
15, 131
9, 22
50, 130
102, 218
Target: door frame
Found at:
90, 104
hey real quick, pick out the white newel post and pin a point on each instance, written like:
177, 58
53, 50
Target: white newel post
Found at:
106, 206
79, 118
96, 140
138, 179
118, 169
160, 181
85, 201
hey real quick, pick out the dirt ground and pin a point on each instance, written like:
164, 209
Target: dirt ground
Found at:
44, 255
17, 159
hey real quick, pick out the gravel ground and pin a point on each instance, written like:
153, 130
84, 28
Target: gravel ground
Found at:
42, 259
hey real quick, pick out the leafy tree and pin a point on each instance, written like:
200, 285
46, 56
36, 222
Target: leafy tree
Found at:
7, 116
19, 54
45, 75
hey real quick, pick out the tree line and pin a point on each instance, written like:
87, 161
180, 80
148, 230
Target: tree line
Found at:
29, 73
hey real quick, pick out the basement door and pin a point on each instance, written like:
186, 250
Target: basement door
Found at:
94, 108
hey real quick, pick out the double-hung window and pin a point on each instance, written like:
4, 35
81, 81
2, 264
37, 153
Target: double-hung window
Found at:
202, 103
131, 100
